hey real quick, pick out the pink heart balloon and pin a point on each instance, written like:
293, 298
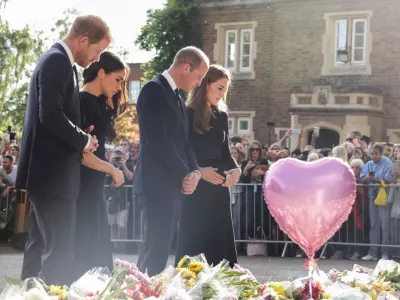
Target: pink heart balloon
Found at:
310, 200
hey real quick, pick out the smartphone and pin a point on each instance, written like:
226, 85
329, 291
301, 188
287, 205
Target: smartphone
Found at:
12, 137
296, 131
236, 139
316, 130
366, 139
257, 163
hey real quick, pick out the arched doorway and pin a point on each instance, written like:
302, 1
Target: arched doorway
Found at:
327, 138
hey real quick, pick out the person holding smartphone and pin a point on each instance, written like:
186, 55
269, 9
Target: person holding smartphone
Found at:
377, 169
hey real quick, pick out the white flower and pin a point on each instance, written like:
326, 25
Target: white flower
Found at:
35, 294
16, 297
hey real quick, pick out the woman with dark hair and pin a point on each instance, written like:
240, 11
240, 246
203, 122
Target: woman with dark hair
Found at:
206, 222
104, 97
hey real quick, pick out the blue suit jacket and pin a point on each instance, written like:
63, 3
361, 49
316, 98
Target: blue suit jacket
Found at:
52, 142
165, 155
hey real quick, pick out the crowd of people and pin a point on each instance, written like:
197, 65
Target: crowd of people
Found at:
183, 180
373, 164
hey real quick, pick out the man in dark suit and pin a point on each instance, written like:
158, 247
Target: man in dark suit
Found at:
166, 168
52, 147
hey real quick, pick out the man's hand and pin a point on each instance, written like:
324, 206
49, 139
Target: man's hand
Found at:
93, 144
189, 183
89, 129
118, 178
233, 177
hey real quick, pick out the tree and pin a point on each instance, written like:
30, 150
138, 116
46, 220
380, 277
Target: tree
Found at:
167, 30
18, 50
127, 125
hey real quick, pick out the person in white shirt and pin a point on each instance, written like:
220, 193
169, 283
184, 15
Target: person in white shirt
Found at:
8, 174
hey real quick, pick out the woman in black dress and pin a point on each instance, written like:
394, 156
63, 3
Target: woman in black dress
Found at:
206, 221
103, 97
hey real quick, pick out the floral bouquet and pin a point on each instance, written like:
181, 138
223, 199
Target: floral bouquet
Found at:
92, 285
32, 289
128, 283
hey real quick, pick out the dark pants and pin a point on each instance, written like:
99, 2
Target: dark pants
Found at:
50, 250
161, 217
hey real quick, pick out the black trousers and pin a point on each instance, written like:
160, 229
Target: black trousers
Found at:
161, 217
50, 250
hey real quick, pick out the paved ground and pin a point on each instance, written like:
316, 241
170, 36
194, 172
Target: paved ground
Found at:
264, 268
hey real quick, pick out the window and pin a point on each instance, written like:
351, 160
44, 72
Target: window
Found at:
238, 54
243, 126
235, 48
241, 122
350, 37
245, 50
358, 41
231, 126
230, 50
134, 89
347, 43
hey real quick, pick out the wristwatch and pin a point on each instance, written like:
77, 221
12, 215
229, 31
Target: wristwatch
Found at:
198, 173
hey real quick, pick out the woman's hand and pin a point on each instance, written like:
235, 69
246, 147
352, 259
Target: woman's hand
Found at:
250, 165
210, 175
258, 172
233, 178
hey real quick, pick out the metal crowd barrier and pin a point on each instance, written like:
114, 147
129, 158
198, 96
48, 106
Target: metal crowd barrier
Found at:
253, 223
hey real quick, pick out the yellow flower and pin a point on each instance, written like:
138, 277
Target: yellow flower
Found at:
195, 267
278, 288
249, 294
182, 261
373, 295
381, 286
187, 274
58, 291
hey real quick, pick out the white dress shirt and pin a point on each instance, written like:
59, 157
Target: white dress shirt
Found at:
170, 80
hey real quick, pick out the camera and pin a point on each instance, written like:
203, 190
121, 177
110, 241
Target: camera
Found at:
236, 139
118, 158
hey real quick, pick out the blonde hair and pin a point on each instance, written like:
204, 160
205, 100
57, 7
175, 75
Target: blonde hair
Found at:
349, 147
340, 152
313, 156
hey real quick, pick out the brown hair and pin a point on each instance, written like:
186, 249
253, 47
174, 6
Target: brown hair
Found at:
241, 154
197, 99
192, 56
260, 154
91, 26
118, 103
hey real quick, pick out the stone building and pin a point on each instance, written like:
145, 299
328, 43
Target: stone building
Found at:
333, 64
133, 81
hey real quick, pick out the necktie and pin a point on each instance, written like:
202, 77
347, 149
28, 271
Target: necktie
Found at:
179, 100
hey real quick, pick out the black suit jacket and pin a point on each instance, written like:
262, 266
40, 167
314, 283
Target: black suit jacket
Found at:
165, 155
52, 141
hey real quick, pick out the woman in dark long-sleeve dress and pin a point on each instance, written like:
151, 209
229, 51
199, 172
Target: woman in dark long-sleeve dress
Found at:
103, 97
206, 222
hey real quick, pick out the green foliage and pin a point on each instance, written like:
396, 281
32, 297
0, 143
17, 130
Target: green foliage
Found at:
167, 30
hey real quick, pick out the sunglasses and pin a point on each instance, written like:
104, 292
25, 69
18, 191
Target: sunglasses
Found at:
349, 139
255, 149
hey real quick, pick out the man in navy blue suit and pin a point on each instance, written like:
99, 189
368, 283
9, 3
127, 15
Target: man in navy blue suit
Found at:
166, 167
52, 147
